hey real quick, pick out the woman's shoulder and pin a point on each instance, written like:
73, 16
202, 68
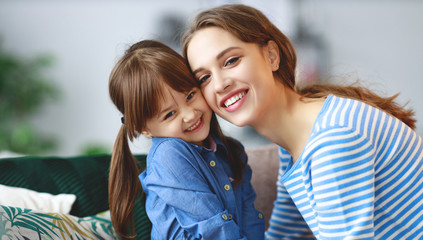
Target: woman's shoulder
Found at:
341, 112
345, 119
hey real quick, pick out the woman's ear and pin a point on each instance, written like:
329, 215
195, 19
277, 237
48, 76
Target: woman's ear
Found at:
273, 54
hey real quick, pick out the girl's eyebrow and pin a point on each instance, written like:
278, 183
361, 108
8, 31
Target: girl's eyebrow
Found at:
164, 111
218, 56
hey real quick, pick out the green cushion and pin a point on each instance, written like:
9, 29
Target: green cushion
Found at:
84, 176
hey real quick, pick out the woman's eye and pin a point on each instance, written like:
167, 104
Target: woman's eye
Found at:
231, 61
170, 114
190, 95
203, 79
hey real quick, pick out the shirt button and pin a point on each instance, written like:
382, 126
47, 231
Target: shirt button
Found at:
225, 217
227, 187
212, 163
260, 215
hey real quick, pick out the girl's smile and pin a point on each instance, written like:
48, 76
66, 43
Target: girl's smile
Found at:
196, 127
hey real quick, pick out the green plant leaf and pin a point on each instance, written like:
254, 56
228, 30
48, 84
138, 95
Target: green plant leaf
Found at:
32, 220
8, 212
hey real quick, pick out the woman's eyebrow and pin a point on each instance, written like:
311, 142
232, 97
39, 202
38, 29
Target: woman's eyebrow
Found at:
218, 56
225, 51
197, 70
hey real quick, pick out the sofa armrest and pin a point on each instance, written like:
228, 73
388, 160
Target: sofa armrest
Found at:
264, 162
84, 176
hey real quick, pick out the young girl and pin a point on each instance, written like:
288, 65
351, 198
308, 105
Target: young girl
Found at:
351, 165
197, 181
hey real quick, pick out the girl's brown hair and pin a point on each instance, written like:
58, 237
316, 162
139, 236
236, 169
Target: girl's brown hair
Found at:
136, 87
251, 25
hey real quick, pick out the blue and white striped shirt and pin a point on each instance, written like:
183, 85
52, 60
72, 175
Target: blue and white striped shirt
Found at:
360, 176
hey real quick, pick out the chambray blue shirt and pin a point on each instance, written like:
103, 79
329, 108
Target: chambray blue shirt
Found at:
189, 194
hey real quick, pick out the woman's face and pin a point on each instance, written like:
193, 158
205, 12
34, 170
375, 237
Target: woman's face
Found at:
236, 77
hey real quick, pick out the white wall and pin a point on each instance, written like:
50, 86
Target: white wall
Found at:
379, 41
86, 38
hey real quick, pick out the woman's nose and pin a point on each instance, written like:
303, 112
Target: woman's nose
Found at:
221, 83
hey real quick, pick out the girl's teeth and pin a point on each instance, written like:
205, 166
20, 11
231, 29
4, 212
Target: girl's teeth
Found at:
233, 99
195, 125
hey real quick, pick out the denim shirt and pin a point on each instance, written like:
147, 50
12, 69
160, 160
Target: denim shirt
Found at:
189, 194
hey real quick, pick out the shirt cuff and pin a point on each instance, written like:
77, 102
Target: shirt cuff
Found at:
220, 226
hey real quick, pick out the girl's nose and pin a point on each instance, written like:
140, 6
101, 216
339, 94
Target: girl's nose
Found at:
189, 114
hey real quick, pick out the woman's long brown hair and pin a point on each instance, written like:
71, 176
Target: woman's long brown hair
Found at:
251, 25
136, 87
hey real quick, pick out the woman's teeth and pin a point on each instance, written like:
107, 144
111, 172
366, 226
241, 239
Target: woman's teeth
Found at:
195, 125
233, 99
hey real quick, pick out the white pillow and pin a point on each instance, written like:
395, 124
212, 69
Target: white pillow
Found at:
26, 198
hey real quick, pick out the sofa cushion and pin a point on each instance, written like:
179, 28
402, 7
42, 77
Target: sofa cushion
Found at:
27, 198
19, 223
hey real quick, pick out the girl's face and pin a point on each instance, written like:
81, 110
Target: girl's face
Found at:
236, 77
184, 116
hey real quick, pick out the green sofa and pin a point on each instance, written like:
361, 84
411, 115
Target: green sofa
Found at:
84, 176
87, 178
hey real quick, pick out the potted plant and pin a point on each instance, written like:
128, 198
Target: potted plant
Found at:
24, 88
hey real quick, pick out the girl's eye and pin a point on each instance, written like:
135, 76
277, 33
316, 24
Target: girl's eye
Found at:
231, 61
190, 95
170, 114
203, 79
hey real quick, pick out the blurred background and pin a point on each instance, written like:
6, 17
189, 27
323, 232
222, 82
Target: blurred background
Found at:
56, 57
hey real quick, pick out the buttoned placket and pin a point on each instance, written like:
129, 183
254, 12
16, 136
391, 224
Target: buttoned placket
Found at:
227, 190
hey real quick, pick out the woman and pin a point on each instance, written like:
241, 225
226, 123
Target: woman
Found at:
351, 163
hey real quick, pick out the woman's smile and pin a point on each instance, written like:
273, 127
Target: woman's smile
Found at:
234, 101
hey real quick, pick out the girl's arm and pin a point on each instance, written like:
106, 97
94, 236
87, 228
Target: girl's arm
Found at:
180, 202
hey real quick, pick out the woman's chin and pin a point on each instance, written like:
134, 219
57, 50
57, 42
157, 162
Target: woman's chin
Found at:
237, 121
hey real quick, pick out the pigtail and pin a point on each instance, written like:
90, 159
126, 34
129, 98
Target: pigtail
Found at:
234, 150
386, 104
124, 186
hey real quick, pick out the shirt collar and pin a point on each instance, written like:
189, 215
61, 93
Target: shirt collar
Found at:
215, 145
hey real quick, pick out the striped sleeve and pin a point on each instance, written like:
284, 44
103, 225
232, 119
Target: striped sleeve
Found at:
362, 174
